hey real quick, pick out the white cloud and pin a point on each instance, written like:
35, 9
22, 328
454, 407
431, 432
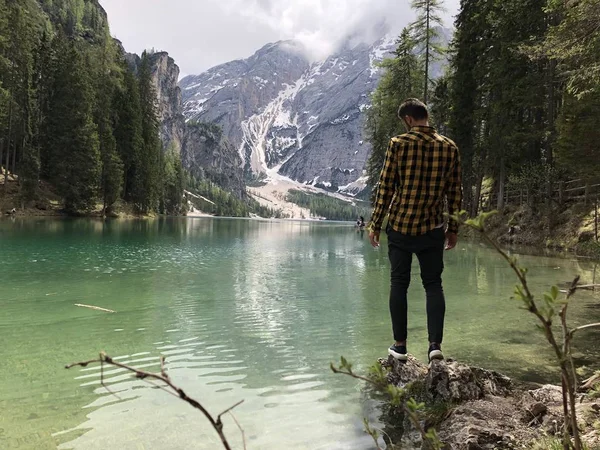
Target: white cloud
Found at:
322, 25
200, 34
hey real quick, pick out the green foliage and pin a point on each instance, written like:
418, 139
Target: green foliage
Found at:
426, 36
578, 136
74, 114
574, 42
128, 135
147, 198
323, 205
73, 154
212, 199
397, 398
402, 79
524, 94
173, 183
441, 105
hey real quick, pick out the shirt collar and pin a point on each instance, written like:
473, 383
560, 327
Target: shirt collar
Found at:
423, 129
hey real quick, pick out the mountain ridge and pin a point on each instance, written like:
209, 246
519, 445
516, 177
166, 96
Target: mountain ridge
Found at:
291, 117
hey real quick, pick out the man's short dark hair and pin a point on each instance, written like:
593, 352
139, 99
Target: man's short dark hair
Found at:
414, 108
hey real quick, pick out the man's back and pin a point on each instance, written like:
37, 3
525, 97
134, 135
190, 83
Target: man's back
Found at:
421, 170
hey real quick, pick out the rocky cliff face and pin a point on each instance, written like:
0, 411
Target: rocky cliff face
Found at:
208, 155
165, 74
230, 94
287, 116
204, 150
291, 118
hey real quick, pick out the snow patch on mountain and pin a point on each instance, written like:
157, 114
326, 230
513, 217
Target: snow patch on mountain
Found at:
256, 145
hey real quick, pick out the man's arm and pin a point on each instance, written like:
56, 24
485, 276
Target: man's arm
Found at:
386, 188
454, 192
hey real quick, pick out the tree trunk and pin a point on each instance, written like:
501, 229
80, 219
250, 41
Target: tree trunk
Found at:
586, 194
1, 155
549, 192
477, 196
595, 226
427, 43
7, 145
561, 193
501, 186
7, 165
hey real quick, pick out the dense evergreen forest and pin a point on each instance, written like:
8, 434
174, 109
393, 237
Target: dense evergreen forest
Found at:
322, 205
521, 96
210, 198
73, 114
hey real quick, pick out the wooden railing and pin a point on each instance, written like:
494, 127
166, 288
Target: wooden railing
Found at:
563, 193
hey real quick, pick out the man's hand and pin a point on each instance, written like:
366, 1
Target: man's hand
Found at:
451, 240
374, 238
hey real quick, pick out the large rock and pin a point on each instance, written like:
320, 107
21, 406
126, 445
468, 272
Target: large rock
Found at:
448, 381
478, 409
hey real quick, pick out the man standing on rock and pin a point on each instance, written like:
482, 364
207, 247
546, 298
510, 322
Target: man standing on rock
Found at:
420, 174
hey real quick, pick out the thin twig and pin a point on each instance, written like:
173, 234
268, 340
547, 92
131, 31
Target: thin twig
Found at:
163, 371
229, 410
142, 375
240, 428
97, 308
353, 375
583, 327
102, 378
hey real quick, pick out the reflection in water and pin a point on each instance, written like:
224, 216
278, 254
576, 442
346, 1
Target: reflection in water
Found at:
251, 310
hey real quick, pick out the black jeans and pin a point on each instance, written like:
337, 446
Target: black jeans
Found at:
429, 249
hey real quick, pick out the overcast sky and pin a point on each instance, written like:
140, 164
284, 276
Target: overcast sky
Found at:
200, 34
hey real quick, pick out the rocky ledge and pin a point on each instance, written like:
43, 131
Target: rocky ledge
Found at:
478, 409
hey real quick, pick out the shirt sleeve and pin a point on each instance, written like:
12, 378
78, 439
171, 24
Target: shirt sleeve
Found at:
454, 192
386, 187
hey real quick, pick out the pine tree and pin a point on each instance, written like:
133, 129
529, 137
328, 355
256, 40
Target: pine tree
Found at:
109, 77
440, 104
426, 35
149, 198
574, 42
578, 136
173, 182
128, 134
73, 144
17, 79
402, 78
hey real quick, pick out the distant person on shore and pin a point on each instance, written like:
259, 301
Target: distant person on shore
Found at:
420, 173
360, 223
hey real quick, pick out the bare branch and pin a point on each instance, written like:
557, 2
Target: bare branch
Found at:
163, 371
102, 378
229, 410
83, 363
163, 377
584, 327
352, 374
97, 308
239, 428
587, 287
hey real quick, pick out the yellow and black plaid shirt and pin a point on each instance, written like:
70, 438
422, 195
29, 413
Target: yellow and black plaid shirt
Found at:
421, 170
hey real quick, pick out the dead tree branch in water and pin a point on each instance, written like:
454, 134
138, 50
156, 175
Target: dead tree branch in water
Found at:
168, 386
